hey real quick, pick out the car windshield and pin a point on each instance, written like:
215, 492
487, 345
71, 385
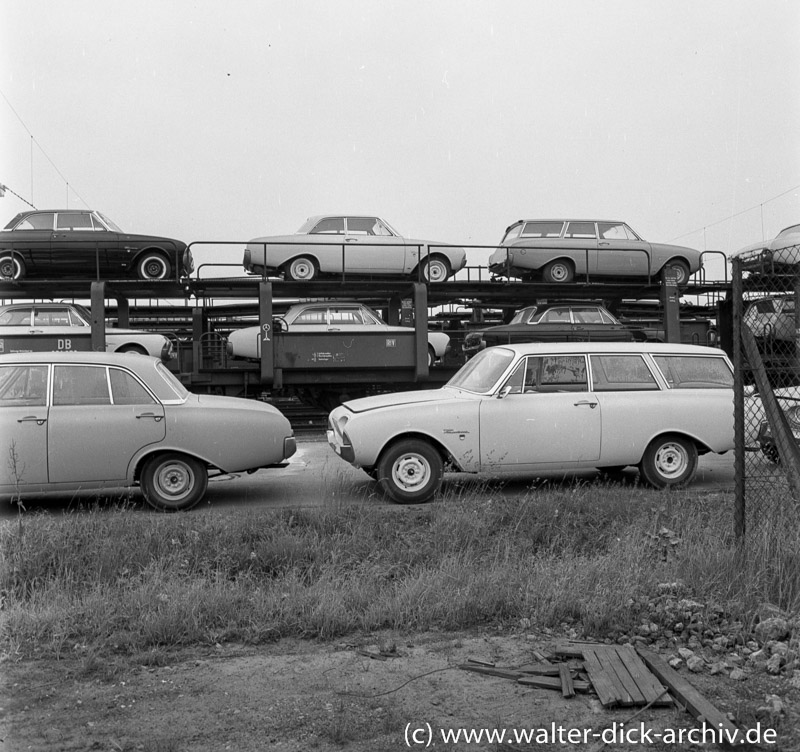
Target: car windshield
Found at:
108, 223
482, 372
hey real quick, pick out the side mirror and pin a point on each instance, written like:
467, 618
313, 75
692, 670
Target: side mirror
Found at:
504, 392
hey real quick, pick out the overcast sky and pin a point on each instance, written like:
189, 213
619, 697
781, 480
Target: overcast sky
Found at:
449, 118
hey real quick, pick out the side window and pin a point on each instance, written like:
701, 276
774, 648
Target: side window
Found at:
329, 226
614, 231
16, 317
22, 385
312, 316
580, 230
50, 317
588, 316
361, 225
42, 221
73, 221
553, 373
345, 316
80, 385
621, 373
126, 390
556, 315
695, 372
542, 229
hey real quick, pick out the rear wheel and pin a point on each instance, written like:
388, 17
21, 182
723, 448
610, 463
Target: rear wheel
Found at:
558, 271
410, 471
153, 265
11, 267
173, 482
435, 269
302, 269
679, 269
669, 460
132, 349
431, 356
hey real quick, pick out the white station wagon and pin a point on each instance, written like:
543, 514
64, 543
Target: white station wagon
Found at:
547, 407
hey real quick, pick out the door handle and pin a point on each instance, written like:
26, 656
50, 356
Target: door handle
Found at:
32, 418
351, 240
591, 404
155, 417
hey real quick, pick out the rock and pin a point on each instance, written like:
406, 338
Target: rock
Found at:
773, 628
695, 664
773, 665
685, 653
675, 663
771, 710
718, 668
738, 675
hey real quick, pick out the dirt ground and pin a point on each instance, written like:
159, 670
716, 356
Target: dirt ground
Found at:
295, 695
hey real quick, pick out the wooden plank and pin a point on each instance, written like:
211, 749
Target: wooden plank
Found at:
575, 649
567, 688
649, 686
611, 662
503, 673
606, 689
552, 682
686, 694
538, 669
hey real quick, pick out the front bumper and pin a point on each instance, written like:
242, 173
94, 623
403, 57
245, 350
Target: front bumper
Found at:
340, 446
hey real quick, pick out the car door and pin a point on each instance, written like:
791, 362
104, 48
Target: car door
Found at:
31, 238
81, 247
100, 418
371, 248
621, 253
548, 417
23, 425
580, 243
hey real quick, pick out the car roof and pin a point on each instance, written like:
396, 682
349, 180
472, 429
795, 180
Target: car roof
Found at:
570, 219
656, 348
87, 358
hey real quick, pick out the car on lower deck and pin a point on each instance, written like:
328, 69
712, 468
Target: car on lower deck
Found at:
554, 322
357, 245
36, 327
538, 408
563, 250
335, 318
80, 421
61, 243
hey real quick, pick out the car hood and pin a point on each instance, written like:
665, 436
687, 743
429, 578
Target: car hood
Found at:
397, 399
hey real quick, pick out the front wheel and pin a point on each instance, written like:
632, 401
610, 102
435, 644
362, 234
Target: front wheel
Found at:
11, 267
302, 269
153, 266
173, 482
669, 461
558, 271
435, 269
410, 471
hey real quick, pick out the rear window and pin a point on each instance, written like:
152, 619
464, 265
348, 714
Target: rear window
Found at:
542, 230
695, 372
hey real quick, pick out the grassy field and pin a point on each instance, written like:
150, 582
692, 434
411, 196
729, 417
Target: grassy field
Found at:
113, 579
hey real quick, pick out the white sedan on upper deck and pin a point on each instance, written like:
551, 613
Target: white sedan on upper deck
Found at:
361, 245
547, 407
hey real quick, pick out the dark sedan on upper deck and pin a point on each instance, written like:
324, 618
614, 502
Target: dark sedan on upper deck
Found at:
86, 244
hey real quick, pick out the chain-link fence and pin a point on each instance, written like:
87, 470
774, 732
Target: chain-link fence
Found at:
766, 355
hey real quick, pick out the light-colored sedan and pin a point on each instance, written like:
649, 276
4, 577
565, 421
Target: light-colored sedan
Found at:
537, 408
559, 250
359, 245
306, 318
77, 421
35, 327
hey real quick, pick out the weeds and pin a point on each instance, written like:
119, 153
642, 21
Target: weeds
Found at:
126, 583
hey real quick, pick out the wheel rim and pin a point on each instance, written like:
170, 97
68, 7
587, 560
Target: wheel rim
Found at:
154, 268
411, 472
174, 481
559, 273
671, 460
679, 271
302, 270
435, 271
9, 268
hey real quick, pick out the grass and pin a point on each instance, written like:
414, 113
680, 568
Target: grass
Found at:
115, 580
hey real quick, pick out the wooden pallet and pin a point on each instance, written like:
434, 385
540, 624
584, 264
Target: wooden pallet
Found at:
617, 674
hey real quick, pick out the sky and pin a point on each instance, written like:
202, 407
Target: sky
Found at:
451, 119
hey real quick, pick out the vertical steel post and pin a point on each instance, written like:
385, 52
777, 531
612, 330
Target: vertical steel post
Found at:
98, 322
421, 331
670, 301
739, 499
266, 333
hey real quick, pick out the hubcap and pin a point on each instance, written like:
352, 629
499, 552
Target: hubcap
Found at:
154, 269
410, 472
435, 272
671, 460
302, 270
174, 480
8, 269
559, 273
